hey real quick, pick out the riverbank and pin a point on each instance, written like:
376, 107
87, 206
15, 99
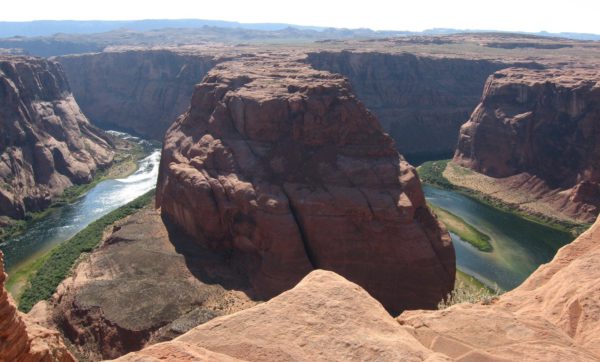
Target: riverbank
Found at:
43, 274
432, 173
465, 231
127, 155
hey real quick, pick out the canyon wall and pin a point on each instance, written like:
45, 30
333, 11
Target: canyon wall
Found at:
46, 143
539, 131
141, 92
22, 340
282, 166
420, 101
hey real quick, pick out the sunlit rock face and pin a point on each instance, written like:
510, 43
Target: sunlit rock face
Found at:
544, 126
46, 143
282, 166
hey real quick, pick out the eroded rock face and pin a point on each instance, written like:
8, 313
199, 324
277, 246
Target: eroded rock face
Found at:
21, 340
421, 101
282, 166
324, 318
545, 127
46, 143
136, 91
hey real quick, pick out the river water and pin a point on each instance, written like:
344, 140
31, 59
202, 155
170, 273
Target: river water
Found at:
520, 246
64, 222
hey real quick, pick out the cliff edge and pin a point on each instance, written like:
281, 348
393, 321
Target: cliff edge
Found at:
536, 132
46, 143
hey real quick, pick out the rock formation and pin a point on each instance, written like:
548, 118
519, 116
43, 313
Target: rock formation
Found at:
421, 101
136, 91
46, 143
553, 316
538, 131
143, 285
324, 318
282, 166
24, 341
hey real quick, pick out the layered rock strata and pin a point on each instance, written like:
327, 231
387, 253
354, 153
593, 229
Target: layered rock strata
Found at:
421, 101
46, 143
141, 92
21, 340
281, 165
537, 131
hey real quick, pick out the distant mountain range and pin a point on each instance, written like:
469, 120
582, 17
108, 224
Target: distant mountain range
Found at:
53, 38
53, 27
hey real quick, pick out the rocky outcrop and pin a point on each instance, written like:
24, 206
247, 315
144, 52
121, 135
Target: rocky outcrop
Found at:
280, 165
141, 92
553, 315
421, 101
143, 285
46, 143
538, 131
324, 318
566, 291
21, 340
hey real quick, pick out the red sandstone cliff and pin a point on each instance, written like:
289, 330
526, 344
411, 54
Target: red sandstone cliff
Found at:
24, 341
46, 143
542, 125
136, 91
281, 165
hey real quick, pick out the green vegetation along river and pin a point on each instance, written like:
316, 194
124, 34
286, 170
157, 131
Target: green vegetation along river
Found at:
27, 249
519, 246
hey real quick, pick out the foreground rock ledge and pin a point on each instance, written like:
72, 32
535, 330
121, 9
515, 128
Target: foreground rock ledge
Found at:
281, 165
553, 316
324, 318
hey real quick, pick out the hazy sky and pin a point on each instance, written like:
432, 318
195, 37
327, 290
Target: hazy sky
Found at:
523, 15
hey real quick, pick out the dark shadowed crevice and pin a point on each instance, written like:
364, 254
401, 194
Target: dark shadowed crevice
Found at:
298, 220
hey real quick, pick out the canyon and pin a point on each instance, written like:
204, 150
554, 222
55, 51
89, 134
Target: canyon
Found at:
535, 135
140, 92
287, 225
420, 101
47, 144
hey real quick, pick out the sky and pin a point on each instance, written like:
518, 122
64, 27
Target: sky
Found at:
508, 15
